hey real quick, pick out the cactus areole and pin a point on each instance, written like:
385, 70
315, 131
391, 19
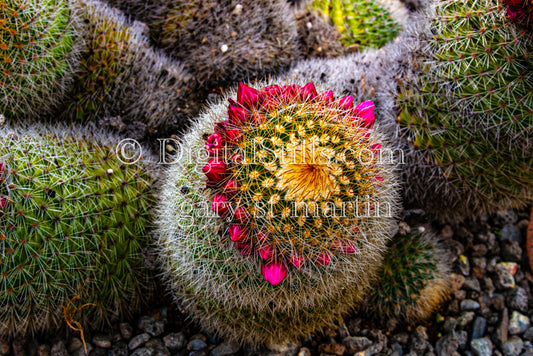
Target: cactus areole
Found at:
285, 172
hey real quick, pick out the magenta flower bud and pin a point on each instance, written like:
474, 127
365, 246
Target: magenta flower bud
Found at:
346, 102
231, 187
221, 127
214, 144
365, 111
266, 252
241, 215
262, 236
290, 92
244, 248
514, 2
379, 179
308, 91
3, 203
233, 136
274, 272
345, 247
376, 147
323, 259
236, 158
247, 97
237, 114
515, 13
2, 169
236, 232
215, 170
296, 259
220, 204
327, 97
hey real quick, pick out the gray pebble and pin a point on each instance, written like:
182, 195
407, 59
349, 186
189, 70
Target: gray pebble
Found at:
81, 350
518, 323
138, 341
126, 330
466, 318
226, 348
481, 347
43, 350
462, 338
355, 344
199, 353
102, 341
510, 232
304, 351
511, 251
119, 349
472, 284
513, 347
59, 349
528, 335
478, 330
151, 325
518, 300
447, 345
175, 341
143, 351
505, 217
196, 345
469, 304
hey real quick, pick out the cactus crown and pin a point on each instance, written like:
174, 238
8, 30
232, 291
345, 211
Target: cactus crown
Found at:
292, 172
364, 23
36, 39
70, 212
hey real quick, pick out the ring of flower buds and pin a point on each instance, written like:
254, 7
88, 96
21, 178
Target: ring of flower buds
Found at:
272, 114
520, 11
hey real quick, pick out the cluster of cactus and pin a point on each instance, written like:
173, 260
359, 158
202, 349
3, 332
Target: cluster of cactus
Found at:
412, 280
467, 111
362, 24
254, 252
73, 222
37, 51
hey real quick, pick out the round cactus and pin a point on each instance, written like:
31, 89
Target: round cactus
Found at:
73, 221
467, 111
295, 216
412, 281
362, 24
38, 48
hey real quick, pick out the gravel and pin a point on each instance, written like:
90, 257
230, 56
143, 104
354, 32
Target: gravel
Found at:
489, 312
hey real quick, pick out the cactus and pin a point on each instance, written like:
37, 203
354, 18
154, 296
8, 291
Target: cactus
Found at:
412, 281
221, 42
73, 222
222, 255
38, 50
466, 103
362, 24
318, 38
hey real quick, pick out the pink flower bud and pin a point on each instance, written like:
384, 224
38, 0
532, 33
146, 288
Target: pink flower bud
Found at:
308, 92
274, 272
345, 247
220, 204
296, 259
515, 13
290, 92
236, 232
231, 187
236, 158
379, 179
323, 259
241, 215
346, 102
266, 252
3, 203
2, 169
221, 127
247, 97
365, 111
327, 97
233, 136
514, 2
237, 114
215, 170
214, 144
376, 147
244, 248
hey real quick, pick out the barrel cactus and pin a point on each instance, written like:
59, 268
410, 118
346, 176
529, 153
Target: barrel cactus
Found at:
38, 50
413, 280
73, 225
466, 120
275, 215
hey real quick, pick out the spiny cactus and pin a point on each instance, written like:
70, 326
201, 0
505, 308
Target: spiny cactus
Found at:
73, 222
362, 24
221, 41
317, 37
412, 281
38, 50
466, 121
245, 242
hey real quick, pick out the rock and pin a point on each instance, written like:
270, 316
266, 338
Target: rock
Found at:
447, 345
498, 302
503, 328
479, 250
466, 318
518, 300
513, 347
478, 330
43, 350
449, 324
102, 341
528, 335
332, 349
404, 228
481, 347
119, 349
456, 282
196, 345
226, 348
59, 349
505, 279
447, 232
506, 217
472, 284
464, 265
75, 344
205, 353
510, 267
355, 344
304, 351
175, 341
126, 330
469, 304
511, 251
81, 350
157, 348
138, 340
462, 338
288, 348
518, 323
511, 232
151, 325
143, 351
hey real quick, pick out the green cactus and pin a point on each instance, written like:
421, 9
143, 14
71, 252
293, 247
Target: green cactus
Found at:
467, 112
361, 23
222, 256
37, 50
73, 222
412, 281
